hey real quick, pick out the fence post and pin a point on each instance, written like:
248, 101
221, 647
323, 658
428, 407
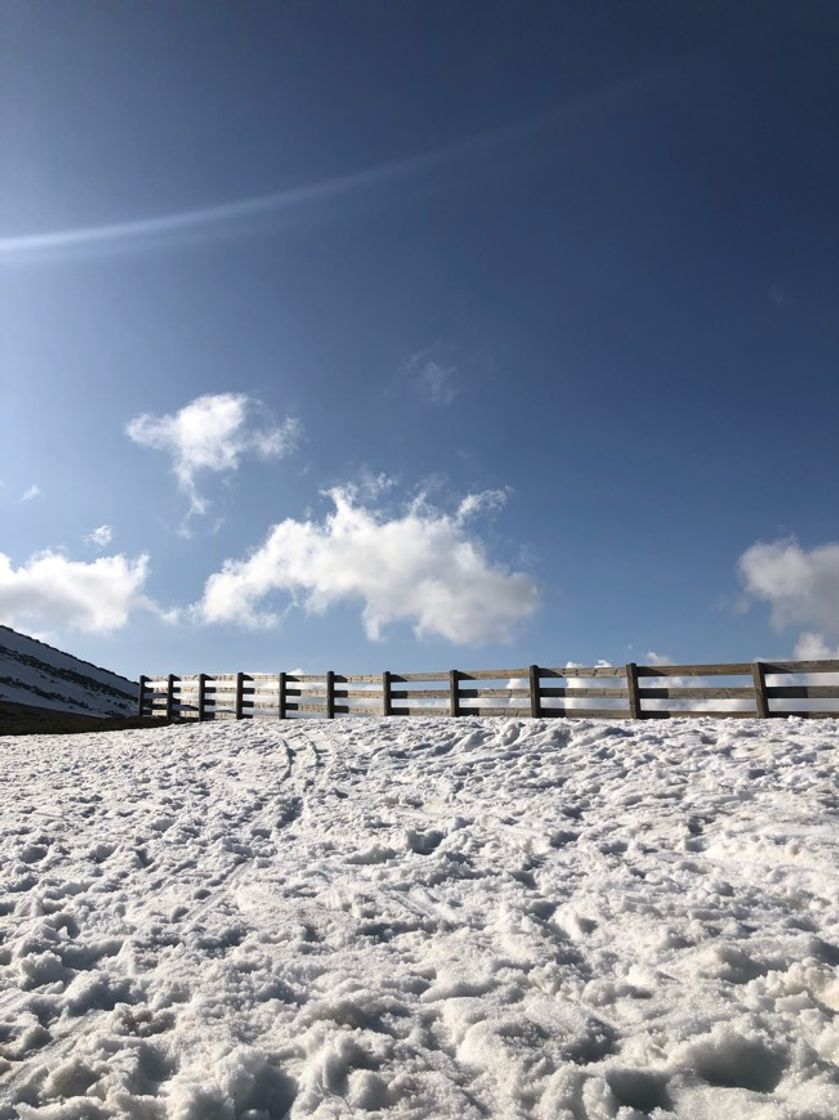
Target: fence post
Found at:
330, 695
141, 696
240, 695
454, 692
387, 702
170, 696
202, 697
761, 699
632, 690
282, 697
535, 695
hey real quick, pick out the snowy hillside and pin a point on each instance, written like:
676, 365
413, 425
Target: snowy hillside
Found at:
422, 918
34, 673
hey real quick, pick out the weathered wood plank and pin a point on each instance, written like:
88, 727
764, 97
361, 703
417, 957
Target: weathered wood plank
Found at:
141, 696
504, 713
330, 695
420, 693
583, 671
501, 693
585, 693
494, 674
829, 666
202, 696
454, 692
405, 678
282, 697
731, 669
387, 694
535, 695
761, 701
632, 696
689, 693
659, 713
240, 688
803, 692
170, 696
585, 713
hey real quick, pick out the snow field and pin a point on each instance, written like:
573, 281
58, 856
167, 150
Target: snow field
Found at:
32, 672
421, 918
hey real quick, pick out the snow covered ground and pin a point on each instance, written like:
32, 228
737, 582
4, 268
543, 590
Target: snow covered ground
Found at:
32, 672
422, 918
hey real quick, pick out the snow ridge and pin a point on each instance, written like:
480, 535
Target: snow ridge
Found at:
413, 918
32, 672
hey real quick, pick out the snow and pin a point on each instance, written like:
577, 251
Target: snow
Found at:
439, 918
32, 672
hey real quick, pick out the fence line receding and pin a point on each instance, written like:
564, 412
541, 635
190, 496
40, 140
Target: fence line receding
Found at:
628, 692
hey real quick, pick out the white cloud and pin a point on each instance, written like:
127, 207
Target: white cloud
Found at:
813, 647
486, 500
570, 702
801, 586
51, 591
31, 492
101, 537
212, 433
421, 566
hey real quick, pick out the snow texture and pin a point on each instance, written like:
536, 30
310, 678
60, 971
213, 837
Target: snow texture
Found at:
32, 672
422, 918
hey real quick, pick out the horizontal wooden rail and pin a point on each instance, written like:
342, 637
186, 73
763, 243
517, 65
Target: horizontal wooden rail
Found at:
527, 692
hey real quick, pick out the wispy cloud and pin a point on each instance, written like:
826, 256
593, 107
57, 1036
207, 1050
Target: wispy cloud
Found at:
100, 537
212, 434
31, 492
778, 296
430, 379
420, 565
51, 591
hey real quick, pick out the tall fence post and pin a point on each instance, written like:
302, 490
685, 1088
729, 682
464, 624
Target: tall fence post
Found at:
761, 699
202, 697
454, 692
535, 692
282, 696
387, 701
632, 693
240, 695
170, 696
330, 695
141, 696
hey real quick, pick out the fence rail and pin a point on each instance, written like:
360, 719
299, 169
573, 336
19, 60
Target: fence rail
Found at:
624, 694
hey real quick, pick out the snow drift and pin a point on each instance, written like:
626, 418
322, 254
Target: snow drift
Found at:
422, 918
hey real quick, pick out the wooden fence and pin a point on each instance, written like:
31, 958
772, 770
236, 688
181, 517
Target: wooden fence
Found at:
628, 692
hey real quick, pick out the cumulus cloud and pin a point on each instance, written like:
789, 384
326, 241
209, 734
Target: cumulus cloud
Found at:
213, 433
101, 537
422, 565
800, 585
814, 647
31, 492
55, 592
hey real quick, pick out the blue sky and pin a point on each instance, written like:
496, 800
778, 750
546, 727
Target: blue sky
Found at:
461, 334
